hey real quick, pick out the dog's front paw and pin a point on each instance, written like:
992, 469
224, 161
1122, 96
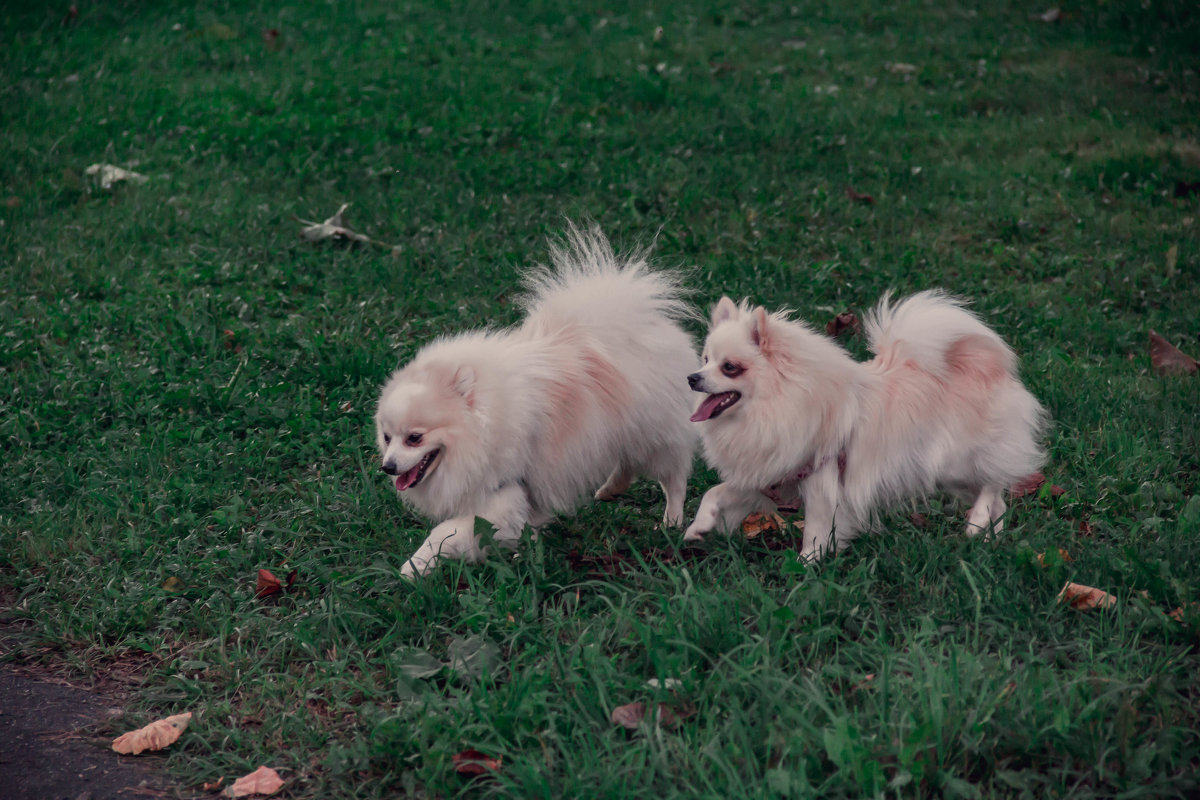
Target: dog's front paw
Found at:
694, 533
416, 567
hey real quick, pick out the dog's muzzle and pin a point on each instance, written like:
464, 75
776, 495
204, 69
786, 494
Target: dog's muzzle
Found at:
696, 381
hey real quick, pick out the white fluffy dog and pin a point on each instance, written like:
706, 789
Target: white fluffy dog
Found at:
789, 416
516, 425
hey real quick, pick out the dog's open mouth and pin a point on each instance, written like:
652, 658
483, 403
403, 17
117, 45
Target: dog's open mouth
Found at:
715, 405
410, 478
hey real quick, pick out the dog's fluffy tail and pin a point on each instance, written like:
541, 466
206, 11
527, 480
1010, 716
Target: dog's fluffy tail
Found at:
587, 283
934, 331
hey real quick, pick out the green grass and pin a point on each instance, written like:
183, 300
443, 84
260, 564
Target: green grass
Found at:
186, 387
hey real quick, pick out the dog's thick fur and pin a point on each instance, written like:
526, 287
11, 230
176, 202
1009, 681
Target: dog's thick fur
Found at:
517, 425
789, 416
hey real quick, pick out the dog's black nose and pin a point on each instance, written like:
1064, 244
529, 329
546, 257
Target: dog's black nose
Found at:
694, 381
390, 468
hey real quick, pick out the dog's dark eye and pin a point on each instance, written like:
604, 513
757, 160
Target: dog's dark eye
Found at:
731, 370
414, 439
387, 438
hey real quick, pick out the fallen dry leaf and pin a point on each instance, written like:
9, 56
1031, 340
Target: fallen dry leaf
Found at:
334, 228
859, 197
630, 716
473, 762
845, 321
263, 780
106, 175
173, 584
1027, 485
214, 785
268, 584
1062, 554
155, 736
1182, 613
757, 523
1085, 598
1170, 360
864, 683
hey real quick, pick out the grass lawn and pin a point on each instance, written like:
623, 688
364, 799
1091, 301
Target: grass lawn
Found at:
186, 387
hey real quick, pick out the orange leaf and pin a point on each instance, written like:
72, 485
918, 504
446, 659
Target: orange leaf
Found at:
1168, 359
212, 787
1085, 598
473, 762
263, 780
1182, 613
758, 523
864, 683
1062, 554
155, 736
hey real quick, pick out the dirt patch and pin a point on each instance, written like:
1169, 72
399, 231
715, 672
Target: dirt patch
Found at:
54, 742
51, 750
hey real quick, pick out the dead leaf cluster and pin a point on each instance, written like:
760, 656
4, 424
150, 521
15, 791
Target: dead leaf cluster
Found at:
845, 321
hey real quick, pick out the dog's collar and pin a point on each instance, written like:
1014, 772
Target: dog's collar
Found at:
805, 472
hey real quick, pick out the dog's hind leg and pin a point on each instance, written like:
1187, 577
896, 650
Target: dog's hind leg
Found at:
987, 513
617, 483
671, 472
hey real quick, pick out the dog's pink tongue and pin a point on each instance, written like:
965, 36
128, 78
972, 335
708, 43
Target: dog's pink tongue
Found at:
709, 405
407, 479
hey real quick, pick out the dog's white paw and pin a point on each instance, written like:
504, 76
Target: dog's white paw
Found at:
416, 568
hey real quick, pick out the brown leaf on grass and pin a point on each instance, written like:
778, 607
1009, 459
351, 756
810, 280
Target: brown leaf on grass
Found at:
474, 763
1168, 359
858, 196
1027, 485
919, 520
173, 584
155, 736
272, 39
1063, 556
214, 785
630, 716
1085, 598
1085, 528
263, 780
758, 523
268, 584
845, 321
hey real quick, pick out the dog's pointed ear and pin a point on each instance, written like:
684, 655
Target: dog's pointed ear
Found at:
726, 309
758, 328
464, 383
